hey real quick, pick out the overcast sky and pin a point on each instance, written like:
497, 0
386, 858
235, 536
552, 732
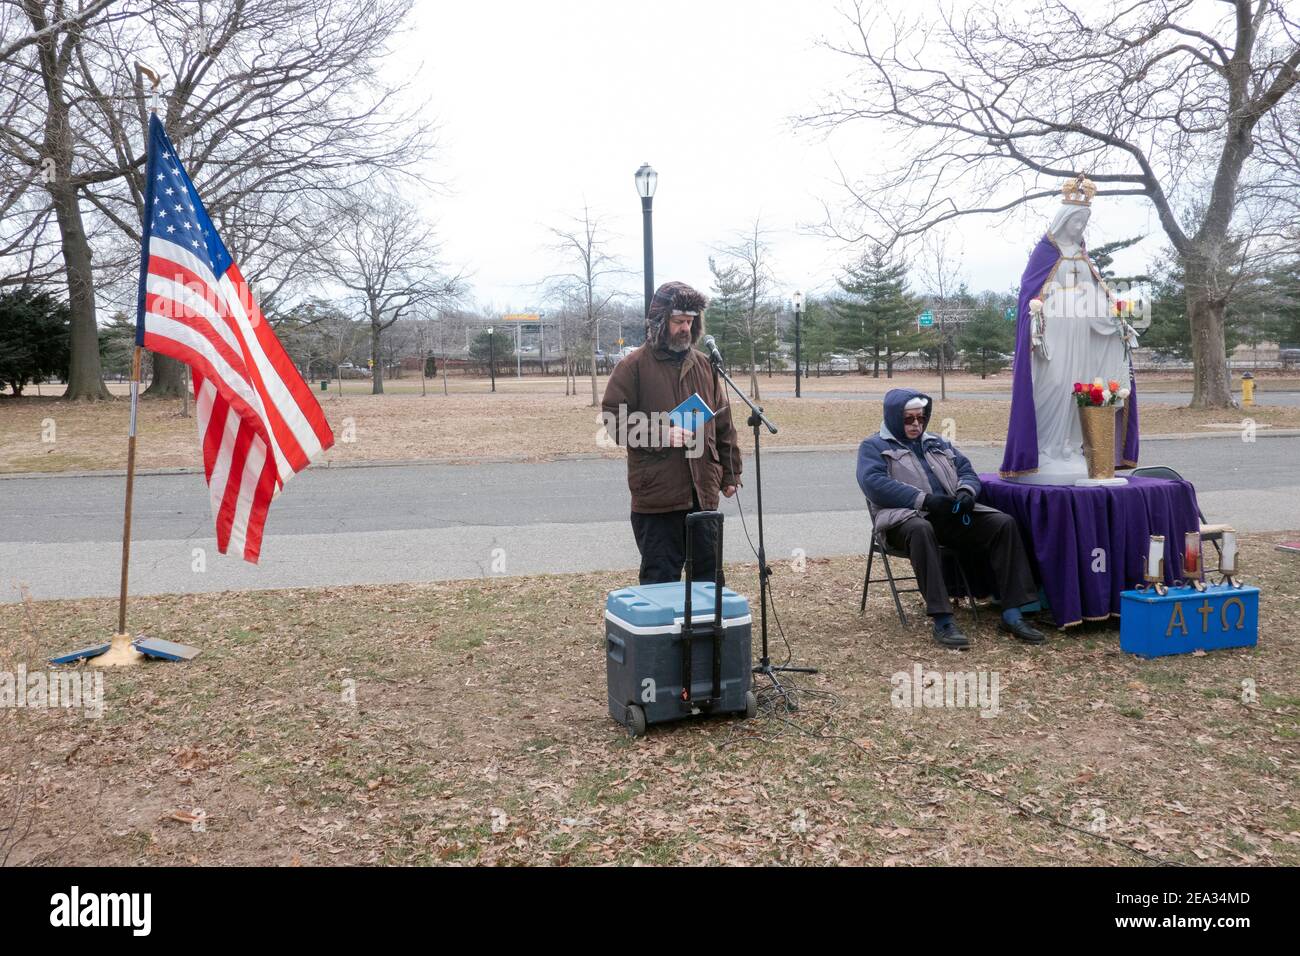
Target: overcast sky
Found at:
545, 106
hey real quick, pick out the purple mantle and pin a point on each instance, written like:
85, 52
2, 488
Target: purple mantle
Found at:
1021, 455
1063, 525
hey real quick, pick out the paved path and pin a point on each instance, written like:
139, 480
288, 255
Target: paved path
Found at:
61, 536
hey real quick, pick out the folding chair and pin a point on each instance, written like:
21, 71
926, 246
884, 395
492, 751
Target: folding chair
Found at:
879, 546
1212, 533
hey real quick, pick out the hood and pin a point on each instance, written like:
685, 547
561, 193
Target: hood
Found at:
670, 296
895, 401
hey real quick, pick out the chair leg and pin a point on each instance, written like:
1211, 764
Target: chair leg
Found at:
871, 554
893, 587
970, 595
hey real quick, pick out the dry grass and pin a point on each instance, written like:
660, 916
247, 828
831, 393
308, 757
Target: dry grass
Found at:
530, 419
479, 735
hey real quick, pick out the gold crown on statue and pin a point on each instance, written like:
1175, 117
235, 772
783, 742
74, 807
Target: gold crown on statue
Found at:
1078, 191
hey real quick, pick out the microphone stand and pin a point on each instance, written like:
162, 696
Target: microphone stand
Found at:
765, 667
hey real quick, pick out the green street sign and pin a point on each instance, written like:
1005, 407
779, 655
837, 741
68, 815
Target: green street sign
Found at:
925, 319
1011, 313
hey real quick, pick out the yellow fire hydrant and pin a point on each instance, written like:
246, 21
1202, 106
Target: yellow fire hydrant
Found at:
1247, 389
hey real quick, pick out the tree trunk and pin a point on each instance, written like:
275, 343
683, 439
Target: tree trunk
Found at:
1211, 380
376, 362
85, 376
595, 399
753, 371
168, 378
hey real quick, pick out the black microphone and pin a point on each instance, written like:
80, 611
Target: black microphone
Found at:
711, 349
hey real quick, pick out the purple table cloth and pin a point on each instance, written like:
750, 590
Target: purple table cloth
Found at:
1063, 526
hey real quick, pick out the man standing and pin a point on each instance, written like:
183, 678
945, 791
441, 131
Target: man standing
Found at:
921, 492
672, 471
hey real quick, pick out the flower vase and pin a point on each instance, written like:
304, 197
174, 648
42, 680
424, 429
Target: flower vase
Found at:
1098, 425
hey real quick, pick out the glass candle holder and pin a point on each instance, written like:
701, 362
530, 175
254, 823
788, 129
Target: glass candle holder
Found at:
1155, 570
1228, 558
1192, 555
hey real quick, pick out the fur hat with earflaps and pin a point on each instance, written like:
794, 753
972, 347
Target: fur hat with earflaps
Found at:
669, 298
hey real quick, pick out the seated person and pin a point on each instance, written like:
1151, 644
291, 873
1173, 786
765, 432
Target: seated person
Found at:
921, 492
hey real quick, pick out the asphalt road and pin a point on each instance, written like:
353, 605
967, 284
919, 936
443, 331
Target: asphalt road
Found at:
61, 536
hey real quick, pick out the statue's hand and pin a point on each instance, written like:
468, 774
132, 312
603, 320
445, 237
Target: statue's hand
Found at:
1038, 332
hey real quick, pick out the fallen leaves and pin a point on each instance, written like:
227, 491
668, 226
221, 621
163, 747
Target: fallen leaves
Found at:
438, 764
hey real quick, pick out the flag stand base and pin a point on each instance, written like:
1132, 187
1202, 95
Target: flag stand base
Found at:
120, 653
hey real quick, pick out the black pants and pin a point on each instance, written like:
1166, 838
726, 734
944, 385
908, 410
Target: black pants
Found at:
661, 539
992, 536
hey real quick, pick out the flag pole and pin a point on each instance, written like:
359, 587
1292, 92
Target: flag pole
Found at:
121, 652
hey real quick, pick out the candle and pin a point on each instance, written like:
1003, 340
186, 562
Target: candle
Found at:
1156, 558
1192, 554
1228, 560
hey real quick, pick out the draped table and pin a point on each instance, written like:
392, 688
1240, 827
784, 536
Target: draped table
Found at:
1087, 545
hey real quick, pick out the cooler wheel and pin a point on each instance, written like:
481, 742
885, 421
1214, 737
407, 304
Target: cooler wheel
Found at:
635, 720
751, 705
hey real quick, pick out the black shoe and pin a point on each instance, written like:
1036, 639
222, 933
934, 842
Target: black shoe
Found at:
949, 635
1024, 631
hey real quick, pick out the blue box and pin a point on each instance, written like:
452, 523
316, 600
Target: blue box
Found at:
1185, 620
644, 647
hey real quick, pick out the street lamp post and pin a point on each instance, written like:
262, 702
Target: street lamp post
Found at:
492, 358
798, 308
646, 180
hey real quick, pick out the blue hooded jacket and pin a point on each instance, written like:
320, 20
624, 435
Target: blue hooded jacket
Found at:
885, 491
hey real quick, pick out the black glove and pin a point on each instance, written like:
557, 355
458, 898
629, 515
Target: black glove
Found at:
939, 504
965, 501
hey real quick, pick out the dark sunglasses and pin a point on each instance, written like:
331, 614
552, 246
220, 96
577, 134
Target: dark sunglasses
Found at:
913, 419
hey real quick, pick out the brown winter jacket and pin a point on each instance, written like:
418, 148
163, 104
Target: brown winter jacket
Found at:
661, 478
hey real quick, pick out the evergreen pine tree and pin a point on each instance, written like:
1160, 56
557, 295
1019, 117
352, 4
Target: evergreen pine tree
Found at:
985, 342
34, 337
875, 316
724, 318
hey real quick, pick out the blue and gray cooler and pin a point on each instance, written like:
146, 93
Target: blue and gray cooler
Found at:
650, 649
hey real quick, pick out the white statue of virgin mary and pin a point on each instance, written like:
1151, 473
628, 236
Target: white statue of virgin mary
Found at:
1074, 337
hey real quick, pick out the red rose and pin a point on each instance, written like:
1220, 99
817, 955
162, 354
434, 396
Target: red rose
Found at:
1078, 386
1096, 396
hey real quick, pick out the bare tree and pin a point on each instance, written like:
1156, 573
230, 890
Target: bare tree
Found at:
425, 331
569, 316
941, 270
385, 255
271, 103
991, 109
751, 254
64, 21
339, 335
39, 82
583, 246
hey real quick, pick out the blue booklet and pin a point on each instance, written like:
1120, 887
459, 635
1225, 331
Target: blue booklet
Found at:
691, 414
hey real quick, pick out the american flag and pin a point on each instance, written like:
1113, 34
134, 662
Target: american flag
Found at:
258, 421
